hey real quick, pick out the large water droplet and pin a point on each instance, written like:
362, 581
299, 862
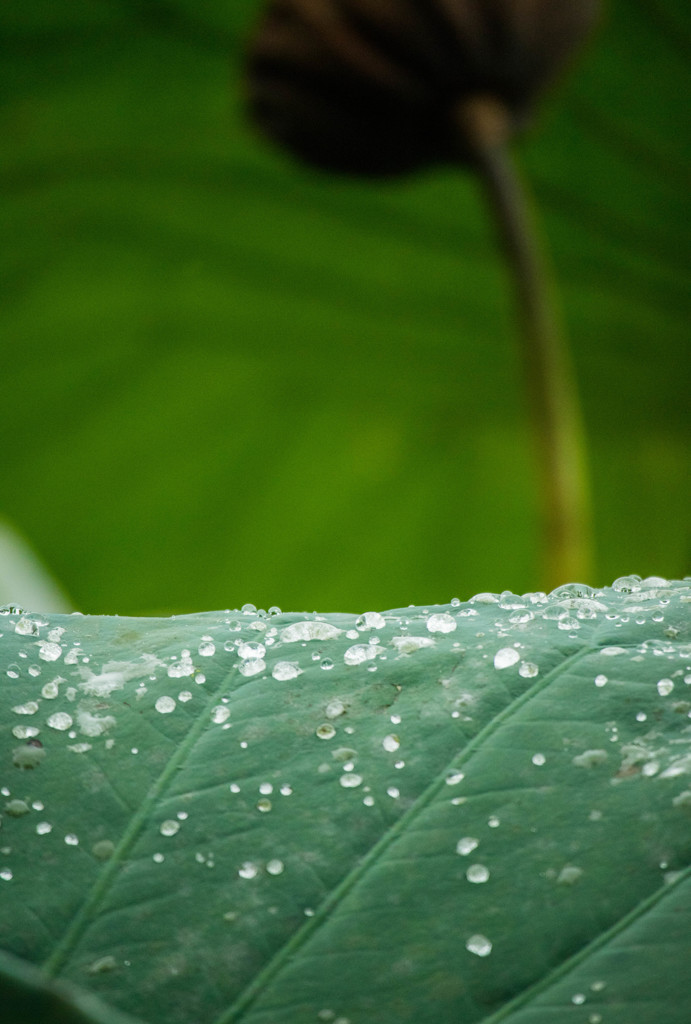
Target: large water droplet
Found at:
169, 827
60, 721
359, 653
350, 780
477, 873
441, 622
309, 630
248, 870
251, 667
506, 657
479, 944
391, 743
165, 705
466, 845
284, 670
371, 620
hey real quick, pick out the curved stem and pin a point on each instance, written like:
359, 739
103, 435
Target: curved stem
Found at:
556, 420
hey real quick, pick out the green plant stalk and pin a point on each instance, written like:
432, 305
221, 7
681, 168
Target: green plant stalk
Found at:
558, 435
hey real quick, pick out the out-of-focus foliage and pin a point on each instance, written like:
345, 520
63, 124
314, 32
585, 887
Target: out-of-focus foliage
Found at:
475, 812
226, 378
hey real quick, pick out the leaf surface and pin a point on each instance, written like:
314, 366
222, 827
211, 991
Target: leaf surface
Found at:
476, 811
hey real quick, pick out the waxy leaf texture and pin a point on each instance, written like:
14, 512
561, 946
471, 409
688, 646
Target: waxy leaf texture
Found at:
478, 811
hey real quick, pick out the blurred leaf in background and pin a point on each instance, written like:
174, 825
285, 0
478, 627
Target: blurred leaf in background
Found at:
226, 378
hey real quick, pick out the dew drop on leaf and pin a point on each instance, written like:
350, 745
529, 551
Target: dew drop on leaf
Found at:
350, 780
506, 657
441, 622
60, 721
479, 944
466, 845
165, 705
477, 873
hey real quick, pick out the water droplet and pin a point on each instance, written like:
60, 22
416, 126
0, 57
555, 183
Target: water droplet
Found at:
30, 708
569, 875
479, 944
60, 721
284, 670
220, 714
169, 827
466, 845
184, 696
578, 999
528, 670
17, 808
506, 657
71, 839
165, 705
538, 759
641, 716
49, 651
410, 644
359, 653
286, 790
589, 758
248, 870
6, 874
494, 821
327, 664
371, 620
183, 667
275, 867
368, 800
391, 743
665, 687
43, 828
334, 708
325, 731
26, 627
28, 756
207, 647
102, 965
24, 732
103, 849
441, 622
453, 778
477, 873
350, 780
234, 788
158, 858
393, 792
309, 630
251, 667
264, 805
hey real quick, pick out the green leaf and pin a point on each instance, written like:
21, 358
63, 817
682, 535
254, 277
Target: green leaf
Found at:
204, 340
477, 811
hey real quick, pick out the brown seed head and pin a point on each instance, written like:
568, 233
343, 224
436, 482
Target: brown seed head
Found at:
374, 86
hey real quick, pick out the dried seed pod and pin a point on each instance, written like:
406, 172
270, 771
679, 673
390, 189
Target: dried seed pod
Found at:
375, 86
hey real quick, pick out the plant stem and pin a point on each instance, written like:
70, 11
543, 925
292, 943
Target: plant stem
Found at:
556, 420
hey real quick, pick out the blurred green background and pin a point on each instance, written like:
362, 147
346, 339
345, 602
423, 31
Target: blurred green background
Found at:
228, 379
